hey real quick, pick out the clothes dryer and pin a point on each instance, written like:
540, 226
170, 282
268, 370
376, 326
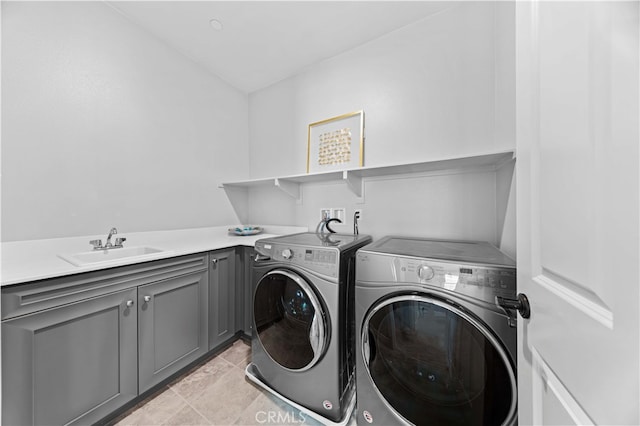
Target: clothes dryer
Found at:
304, 322
432, 346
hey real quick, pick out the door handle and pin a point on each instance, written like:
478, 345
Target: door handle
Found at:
368, 349
147, 299
314, 335
520, 304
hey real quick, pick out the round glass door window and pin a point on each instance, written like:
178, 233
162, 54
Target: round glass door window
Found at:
289, 320
434, 364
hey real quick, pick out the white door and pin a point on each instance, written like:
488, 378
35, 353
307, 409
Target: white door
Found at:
577, 68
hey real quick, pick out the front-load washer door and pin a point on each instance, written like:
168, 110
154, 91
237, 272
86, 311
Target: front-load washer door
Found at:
290, 321
433, 363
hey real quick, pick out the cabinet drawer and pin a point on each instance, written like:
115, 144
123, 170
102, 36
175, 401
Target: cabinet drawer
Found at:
24, 299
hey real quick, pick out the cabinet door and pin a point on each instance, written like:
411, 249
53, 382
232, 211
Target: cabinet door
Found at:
222, 297
70, 365
172, 326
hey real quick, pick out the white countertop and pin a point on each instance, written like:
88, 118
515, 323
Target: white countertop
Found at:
24, 261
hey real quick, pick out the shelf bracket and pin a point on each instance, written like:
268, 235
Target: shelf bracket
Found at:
290, 188
355, 184
239, 200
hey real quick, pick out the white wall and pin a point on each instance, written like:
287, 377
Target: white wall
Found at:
438, 88
103, 125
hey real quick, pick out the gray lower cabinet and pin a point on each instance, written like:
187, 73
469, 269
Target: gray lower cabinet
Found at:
222, 297
72, 364
172, 326
75, 349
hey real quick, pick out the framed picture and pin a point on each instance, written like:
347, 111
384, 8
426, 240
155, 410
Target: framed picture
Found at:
336, 143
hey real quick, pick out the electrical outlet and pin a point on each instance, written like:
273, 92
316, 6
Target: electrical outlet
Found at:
359, 212
338, 213
325, 214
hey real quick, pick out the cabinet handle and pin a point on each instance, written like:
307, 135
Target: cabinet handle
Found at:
214, 261
130, 302
147, 299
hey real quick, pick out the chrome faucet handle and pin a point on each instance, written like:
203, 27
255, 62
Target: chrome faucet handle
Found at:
111, 232
97, 244
119, 241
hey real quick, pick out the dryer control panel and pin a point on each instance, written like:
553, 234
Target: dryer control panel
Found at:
480, 282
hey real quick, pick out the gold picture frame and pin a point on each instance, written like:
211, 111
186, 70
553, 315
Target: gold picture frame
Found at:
336, 143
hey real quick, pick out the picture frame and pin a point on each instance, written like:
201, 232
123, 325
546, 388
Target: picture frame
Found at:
336, 143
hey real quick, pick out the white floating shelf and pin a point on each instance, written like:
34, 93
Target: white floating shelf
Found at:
354, 177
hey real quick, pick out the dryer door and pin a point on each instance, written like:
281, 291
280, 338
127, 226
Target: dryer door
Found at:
431, 362
290, 322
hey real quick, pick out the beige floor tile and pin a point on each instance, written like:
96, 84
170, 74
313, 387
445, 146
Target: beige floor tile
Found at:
217, 393
155, 411
190, 387
237, 353
187, 416
243, 364
224, 401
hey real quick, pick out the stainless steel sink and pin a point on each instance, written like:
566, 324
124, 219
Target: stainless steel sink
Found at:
99, 256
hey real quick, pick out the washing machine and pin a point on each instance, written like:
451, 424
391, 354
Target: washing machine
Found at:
433, 346
303, 343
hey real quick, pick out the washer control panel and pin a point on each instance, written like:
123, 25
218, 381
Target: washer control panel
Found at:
321, 260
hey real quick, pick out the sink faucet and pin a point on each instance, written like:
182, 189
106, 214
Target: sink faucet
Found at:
97, 244
108, 243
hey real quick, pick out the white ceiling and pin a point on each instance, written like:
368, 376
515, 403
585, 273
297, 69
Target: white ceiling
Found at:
263, 42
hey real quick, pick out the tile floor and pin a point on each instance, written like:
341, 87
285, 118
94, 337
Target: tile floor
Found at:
216, 393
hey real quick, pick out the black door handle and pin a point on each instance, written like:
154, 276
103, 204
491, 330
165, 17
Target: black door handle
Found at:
521, 304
